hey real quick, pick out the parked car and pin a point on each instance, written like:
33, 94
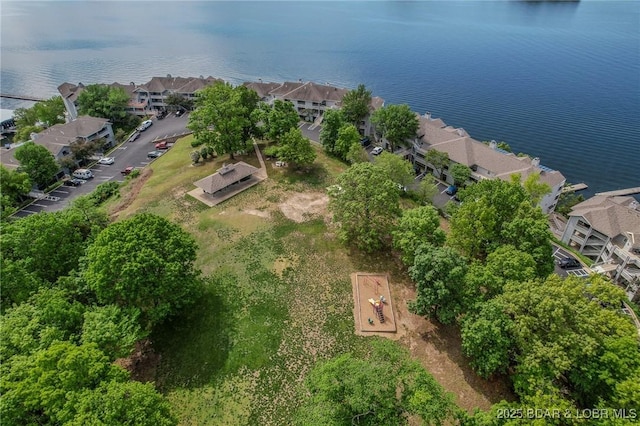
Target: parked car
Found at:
145, 125
569, 262
154, 154
162, 145
365, 142
377, 150
161, 115
127, 170
451, 190
82, 174
134, 136
106, 160
73, 182
179, 112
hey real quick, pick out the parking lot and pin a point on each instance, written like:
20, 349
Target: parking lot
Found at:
560, 253
128, 154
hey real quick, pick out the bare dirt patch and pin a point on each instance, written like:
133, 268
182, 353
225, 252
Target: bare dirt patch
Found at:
367, 288
305, 206
142, 364
259, 213
439, 348
134, 189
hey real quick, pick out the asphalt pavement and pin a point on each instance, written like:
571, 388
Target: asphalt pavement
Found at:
128, 154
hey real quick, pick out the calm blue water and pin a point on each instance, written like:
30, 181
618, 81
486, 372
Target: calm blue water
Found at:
557, 80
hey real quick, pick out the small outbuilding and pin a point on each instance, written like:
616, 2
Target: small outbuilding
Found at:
229, 180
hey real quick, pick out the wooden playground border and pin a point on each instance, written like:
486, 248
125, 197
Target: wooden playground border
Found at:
370, 285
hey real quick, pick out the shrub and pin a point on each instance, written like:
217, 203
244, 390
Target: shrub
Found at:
196, 143
104, 191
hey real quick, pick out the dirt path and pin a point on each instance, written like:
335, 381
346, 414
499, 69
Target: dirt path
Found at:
438, 348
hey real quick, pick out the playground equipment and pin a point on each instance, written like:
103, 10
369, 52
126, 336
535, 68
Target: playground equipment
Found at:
377, 308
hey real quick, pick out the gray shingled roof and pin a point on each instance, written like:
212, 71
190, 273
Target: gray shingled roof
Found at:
262, 89
285, 88
56, 137
610, 215
316, 93
177, 84
225, 176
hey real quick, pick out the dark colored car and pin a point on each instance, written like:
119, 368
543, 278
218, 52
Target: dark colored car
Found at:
451, 190
135, 136
161, 115
154, 154
73, 182
365, 141
569, 262
179, 113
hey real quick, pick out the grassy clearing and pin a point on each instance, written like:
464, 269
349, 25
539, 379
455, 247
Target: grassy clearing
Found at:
277, 297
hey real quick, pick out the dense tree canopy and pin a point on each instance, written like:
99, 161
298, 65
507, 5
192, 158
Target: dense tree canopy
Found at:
223, 118
398, 169
495, 213
348, 136
426, 189
355, 105
365, 204
396, 123
460, 173
115, 330
439, 274
145, 262
381, 390
14, 185
357, 154
296, 149
40, 116
46, 244
100, 100
277, 119
37, 162
177, 102
332, 122
415, 227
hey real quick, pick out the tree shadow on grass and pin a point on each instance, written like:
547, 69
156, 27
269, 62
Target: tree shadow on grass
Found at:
194, 345
314, 175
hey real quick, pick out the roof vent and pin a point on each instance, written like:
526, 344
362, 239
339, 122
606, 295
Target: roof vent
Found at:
493, 144
225, 169
634, 205
535, 162
168, 75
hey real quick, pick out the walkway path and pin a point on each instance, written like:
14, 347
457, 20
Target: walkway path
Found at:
263, 168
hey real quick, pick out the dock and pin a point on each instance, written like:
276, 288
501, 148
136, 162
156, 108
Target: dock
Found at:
621, 192
574, 188
21, 97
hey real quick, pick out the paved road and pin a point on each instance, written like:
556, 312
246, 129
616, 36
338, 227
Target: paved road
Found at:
128, 154
560, 253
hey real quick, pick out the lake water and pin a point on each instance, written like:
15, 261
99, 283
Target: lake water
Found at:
560, 81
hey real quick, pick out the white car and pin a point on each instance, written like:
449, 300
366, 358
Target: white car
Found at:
145, 125
376, 151
106, 160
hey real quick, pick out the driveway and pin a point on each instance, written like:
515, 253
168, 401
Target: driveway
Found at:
125, 155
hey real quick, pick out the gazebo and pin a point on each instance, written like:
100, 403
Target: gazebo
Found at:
227, 176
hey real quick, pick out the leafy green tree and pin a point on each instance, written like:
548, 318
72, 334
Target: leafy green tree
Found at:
177, 102
332, 121
296, 149
99, 100
495, 213
460, 173
415, 227
43, 387
277, 119
14, 186
438, 159
122, 403
439, 274
487, 338
145, 262
249, 100
220, 119
536, 189
82, 150
348, 136
366, 205
383, 389
36, 161
357, 154
42, 115
355, 104
427, 189
115, 330
18, 283
396, 123
49, 315
506, 263
47, 244
398, 169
